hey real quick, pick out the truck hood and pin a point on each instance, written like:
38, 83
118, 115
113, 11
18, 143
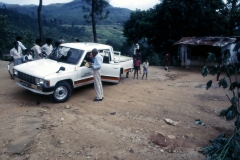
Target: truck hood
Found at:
43, 67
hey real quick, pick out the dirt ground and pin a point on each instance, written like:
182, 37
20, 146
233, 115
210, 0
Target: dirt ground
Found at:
127, 125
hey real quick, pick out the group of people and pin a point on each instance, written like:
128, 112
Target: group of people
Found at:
137, 62
137, 65
21, 54
95, 63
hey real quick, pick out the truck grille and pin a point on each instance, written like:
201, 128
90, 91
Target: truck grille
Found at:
26, 77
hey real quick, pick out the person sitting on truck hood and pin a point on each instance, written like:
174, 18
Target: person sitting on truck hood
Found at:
96, 67
47, 48
37, 49
28, 56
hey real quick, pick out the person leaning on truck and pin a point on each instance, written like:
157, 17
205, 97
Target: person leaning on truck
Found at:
96, 67
16, 54
37, 49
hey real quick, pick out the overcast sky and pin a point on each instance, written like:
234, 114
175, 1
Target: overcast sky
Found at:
130, 4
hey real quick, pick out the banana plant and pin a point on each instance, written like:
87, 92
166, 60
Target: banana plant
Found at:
223, 147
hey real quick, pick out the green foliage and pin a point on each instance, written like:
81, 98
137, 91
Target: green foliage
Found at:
95, 12
154, 60
226, 55
171, 20
98, 9
209, 84
223, 148
214, 70
233, 86
66, 13
211, 57
226, 147
204, 71
27, 28
237, 123
223, 83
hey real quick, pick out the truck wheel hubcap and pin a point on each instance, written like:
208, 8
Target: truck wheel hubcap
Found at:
60, 92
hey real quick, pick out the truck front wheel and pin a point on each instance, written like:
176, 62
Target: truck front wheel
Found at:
62, 92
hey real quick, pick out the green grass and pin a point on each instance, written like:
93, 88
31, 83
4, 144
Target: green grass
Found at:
104, 33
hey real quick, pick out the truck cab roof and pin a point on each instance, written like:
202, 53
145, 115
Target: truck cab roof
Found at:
88, 46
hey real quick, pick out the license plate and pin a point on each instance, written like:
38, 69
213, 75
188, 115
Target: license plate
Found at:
25, 84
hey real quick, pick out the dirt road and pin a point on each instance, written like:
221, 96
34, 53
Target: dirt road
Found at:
128, 125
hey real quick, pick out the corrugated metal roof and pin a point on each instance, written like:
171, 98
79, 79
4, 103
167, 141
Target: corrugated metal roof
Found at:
208, 41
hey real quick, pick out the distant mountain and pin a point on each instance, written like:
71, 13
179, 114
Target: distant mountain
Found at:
68, 13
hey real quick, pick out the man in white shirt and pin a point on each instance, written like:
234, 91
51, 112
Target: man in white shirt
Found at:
47, 48
16, 54
37, 49
96, 67
20, 45
136, 46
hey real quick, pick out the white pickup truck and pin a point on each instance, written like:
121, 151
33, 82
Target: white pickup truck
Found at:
64, 69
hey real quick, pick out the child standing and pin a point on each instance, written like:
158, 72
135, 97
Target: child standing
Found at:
137, 63
145, 68
167, 61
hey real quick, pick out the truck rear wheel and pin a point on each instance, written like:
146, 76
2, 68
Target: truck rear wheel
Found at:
62, 92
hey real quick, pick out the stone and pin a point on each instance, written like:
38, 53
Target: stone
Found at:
67, 106
171, 122
171, 136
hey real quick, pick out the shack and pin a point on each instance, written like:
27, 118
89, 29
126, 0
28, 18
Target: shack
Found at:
193, 51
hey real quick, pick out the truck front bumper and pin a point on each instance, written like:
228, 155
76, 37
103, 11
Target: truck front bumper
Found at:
34, 88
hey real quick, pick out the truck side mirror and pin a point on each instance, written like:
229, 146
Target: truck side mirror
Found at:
61, 69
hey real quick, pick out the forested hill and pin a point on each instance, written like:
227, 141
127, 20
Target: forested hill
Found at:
69, 13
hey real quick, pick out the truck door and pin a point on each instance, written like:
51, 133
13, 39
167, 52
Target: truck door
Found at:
110, 71
85, 74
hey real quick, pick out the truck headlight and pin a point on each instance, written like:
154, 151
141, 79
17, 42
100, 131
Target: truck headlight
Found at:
42, 82
15, 72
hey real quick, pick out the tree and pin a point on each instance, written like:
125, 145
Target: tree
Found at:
224, 147
171, 20
40, 20
232, 13
95, 13
4, 33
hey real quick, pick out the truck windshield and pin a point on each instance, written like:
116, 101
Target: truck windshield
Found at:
66, 55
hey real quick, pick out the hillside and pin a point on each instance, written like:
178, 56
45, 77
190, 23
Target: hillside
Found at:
71, 12
60, 21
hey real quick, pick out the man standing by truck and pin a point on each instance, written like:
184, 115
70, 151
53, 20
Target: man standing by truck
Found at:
96, 67
16, 54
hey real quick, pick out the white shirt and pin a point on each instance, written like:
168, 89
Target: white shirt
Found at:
145, 65
47, 49
136, 46
36, 51
21, 45
16, 53
97, 62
